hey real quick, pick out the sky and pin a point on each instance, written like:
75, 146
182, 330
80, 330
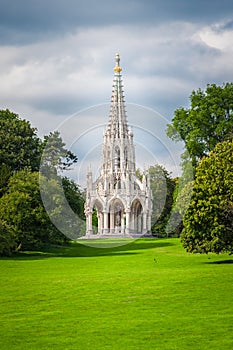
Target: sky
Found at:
57, 59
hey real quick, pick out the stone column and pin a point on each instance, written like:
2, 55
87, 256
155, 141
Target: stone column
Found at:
89, 224
105, 222
139, 223
122, 223
133, 220
144, 227
100, 223
127, 225
112, 229
149, 223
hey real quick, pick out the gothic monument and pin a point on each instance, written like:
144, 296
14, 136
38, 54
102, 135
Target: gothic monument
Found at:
122, 201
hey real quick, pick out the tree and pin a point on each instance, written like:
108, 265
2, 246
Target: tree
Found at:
19, 143
74, 196
208, 121
63, 205
208, 222
181, 199
21, 208
7, 239
61, 197
55, 156
162, 187
5, 174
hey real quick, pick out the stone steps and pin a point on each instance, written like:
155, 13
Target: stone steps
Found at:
118, 235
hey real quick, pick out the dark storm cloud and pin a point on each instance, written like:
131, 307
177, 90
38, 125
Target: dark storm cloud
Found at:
30, 20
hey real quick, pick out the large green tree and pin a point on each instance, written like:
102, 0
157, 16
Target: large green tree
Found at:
19, 143
24, 221
208, 121
5, 174
208, 222
21, 208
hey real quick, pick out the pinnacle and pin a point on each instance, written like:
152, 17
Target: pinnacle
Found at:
117, 116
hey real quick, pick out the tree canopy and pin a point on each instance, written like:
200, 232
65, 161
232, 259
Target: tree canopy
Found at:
208, 121
21, 208
55, 156
19, 144
24, 221
208, 222
7, 239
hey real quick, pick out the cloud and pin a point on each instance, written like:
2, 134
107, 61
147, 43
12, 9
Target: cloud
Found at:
79, 74
219, 36
28, 21
161, 66
57, 58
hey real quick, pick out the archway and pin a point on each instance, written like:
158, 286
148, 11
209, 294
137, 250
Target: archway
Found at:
97, 217
136, 221
117, 216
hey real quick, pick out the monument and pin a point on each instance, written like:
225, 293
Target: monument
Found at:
121, 200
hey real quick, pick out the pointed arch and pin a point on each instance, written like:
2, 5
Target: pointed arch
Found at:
97, 216
97, 204
117, 216
136, 216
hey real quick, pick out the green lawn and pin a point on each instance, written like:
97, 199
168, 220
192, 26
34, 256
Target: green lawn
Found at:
149, 294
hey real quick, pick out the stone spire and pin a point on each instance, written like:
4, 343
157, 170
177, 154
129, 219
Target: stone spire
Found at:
118, 155
117, 126
121, 200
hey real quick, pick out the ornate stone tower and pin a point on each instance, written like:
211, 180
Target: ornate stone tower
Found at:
122, 201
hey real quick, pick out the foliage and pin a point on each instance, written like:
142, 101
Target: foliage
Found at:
74, 196
7, 241
162, 187
55, 156
208, 223
23, 218
22, 209
64, 204
209, 120
19, 144
5, 174
181, 199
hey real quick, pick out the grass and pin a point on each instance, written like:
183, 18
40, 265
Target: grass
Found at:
148, 294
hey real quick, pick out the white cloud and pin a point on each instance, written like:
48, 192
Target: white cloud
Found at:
218, 38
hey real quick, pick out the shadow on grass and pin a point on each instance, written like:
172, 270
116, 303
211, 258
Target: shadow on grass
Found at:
220, 262
76, 249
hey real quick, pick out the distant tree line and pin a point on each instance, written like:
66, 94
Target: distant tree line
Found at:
24, 222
